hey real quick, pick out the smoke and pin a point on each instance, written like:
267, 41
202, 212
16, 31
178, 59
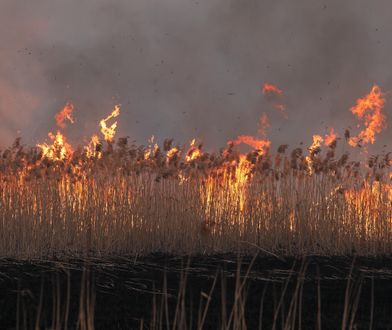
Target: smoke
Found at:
187, 69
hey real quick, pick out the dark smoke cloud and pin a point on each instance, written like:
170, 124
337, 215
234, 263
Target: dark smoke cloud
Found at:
187, 69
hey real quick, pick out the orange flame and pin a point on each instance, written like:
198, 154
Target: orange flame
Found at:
173, 152
65, 114
91, 148
369, 110
258, 144
152, 148
317, 142
330, 137
58, 150
194, 152
271, 89
109, 132
313, 149
262, 145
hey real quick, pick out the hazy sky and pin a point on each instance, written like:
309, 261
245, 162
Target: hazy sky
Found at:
187, 69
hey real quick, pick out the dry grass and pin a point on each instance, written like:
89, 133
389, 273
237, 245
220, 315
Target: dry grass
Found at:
135, 200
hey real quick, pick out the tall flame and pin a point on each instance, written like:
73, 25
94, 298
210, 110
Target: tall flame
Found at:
314, 148
109, 131
317, 142
369, 110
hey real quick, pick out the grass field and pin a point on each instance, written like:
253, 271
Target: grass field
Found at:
80, 226
136, 200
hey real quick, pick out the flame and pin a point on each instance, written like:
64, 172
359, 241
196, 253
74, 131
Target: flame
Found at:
92, 149
58, 150
365, 202
317, 142
234, 195
172, 154
275, 94
152, 149
65, 114
259, 144
369, 110
330, 137
194, 152
271, 89
109, 132
314, 148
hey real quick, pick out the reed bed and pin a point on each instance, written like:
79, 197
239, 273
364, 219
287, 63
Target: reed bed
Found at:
134, 200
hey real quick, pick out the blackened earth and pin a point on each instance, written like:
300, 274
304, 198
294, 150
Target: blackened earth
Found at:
125, 290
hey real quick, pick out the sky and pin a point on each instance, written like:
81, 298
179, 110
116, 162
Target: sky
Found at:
185, 69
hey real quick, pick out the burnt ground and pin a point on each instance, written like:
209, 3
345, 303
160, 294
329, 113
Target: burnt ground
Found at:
125, 289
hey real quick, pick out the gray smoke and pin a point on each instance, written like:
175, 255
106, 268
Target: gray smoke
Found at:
187, 69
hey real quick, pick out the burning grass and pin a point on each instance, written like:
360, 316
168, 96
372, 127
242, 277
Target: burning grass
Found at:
112, 197
136, 200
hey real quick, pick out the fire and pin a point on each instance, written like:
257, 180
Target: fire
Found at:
314, 149
172, 154
58, 150
225, 190
234, 178
369, 110
152, 149
330, 137
194, 152
259, 144
109, 132
93, 148
275, 95
317, 142
270, 88
65, 114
